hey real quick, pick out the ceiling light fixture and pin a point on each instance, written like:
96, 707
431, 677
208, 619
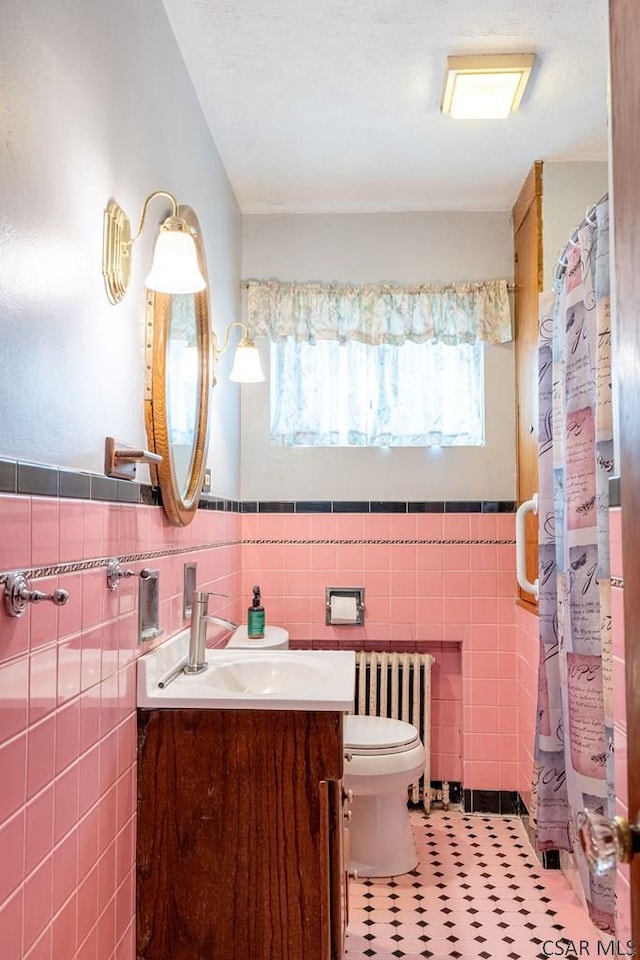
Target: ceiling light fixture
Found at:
485, 87
175, 267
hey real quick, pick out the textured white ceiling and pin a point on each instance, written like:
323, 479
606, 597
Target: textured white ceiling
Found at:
333, 105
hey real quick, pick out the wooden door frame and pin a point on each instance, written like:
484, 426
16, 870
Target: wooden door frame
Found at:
624, 40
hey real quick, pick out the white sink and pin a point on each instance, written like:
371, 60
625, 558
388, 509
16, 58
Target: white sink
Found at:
238, 679
262, 676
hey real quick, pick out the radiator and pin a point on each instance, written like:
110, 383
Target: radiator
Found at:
398, 685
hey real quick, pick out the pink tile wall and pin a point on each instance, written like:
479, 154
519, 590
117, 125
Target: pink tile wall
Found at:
450, 590
623, 891
68, 720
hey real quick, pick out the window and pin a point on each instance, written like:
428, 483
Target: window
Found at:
378, 364
355, 394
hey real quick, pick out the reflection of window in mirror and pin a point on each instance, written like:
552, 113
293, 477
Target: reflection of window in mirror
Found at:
182, 386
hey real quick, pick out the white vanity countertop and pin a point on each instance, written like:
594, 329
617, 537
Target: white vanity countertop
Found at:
238, 679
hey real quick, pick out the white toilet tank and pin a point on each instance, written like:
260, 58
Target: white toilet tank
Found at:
275, 638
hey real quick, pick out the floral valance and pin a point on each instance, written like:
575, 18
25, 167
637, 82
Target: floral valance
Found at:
380, 313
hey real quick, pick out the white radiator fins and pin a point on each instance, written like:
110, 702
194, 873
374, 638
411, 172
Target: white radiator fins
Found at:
415, 719
395, 678
362, 687
373, 686
384, 684
399, 686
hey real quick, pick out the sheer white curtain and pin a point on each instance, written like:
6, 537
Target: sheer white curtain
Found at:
328, 393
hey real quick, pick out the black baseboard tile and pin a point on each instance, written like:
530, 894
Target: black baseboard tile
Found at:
506, 803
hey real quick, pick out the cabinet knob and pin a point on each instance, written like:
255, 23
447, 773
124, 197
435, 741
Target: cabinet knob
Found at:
347, 795
606, 842
348, 756
353, 874
348, 814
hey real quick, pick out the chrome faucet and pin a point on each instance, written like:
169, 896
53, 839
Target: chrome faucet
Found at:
196, 662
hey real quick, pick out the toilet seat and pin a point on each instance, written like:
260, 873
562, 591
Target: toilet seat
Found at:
366, 736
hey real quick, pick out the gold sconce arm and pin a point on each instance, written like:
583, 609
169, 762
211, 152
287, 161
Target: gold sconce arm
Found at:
157, 193
236, 323
246, 363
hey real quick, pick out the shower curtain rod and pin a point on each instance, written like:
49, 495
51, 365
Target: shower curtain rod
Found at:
573, 237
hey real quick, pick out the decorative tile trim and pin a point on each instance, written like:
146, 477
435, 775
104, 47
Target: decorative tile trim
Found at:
283, 541
617, 582
77, 566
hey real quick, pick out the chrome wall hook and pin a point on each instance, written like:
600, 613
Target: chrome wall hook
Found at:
115, 574
17, 594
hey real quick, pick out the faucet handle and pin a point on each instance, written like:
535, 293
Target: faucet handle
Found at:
199, 595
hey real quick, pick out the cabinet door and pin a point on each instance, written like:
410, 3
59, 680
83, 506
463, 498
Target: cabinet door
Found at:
527, 226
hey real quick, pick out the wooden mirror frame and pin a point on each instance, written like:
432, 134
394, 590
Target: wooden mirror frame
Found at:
180, 509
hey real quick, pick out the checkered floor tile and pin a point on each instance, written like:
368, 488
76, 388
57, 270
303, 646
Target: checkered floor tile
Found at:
478, 893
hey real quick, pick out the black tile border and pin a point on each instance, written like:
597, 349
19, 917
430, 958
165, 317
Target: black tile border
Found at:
21, 477
615, 493
37, 480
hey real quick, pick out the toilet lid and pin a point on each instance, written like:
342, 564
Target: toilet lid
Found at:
378, 734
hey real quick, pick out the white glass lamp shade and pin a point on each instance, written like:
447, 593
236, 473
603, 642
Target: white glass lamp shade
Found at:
246, 363
175, 263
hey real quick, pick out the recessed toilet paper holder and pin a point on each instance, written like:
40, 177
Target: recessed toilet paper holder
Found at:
344, 606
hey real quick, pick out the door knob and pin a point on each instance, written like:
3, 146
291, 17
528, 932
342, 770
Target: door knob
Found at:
607, 842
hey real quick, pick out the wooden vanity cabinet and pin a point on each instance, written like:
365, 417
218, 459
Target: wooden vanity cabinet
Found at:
240, 835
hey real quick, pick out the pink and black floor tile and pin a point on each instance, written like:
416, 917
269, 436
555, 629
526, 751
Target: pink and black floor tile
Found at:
478, 893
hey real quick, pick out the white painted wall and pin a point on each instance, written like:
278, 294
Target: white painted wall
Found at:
95, 103
568, 190
402, 247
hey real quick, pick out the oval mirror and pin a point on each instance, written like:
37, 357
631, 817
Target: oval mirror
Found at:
177, 389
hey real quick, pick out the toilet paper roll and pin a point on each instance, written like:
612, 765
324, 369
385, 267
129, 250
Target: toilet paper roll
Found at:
344, 609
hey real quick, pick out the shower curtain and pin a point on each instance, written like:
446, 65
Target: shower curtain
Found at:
574, 725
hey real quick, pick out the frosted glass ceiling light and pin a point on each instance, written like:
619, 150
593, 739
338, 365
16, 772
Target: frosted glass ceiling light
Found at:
485, 87
175, 267
246, 362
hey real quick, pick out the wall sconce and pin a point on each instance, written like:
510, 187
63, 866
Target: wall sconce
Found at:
175, 261
246, 363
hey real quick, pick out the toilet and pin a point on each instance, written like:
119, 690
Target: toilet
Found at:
275, 638
382, 757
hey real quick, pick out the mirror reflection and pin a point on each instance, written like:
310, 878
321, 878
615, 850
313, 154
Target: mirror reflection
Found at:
182, 387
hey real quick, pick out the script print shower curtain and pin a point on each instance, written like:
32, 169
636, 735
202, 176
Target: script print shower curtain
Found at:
574, 737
